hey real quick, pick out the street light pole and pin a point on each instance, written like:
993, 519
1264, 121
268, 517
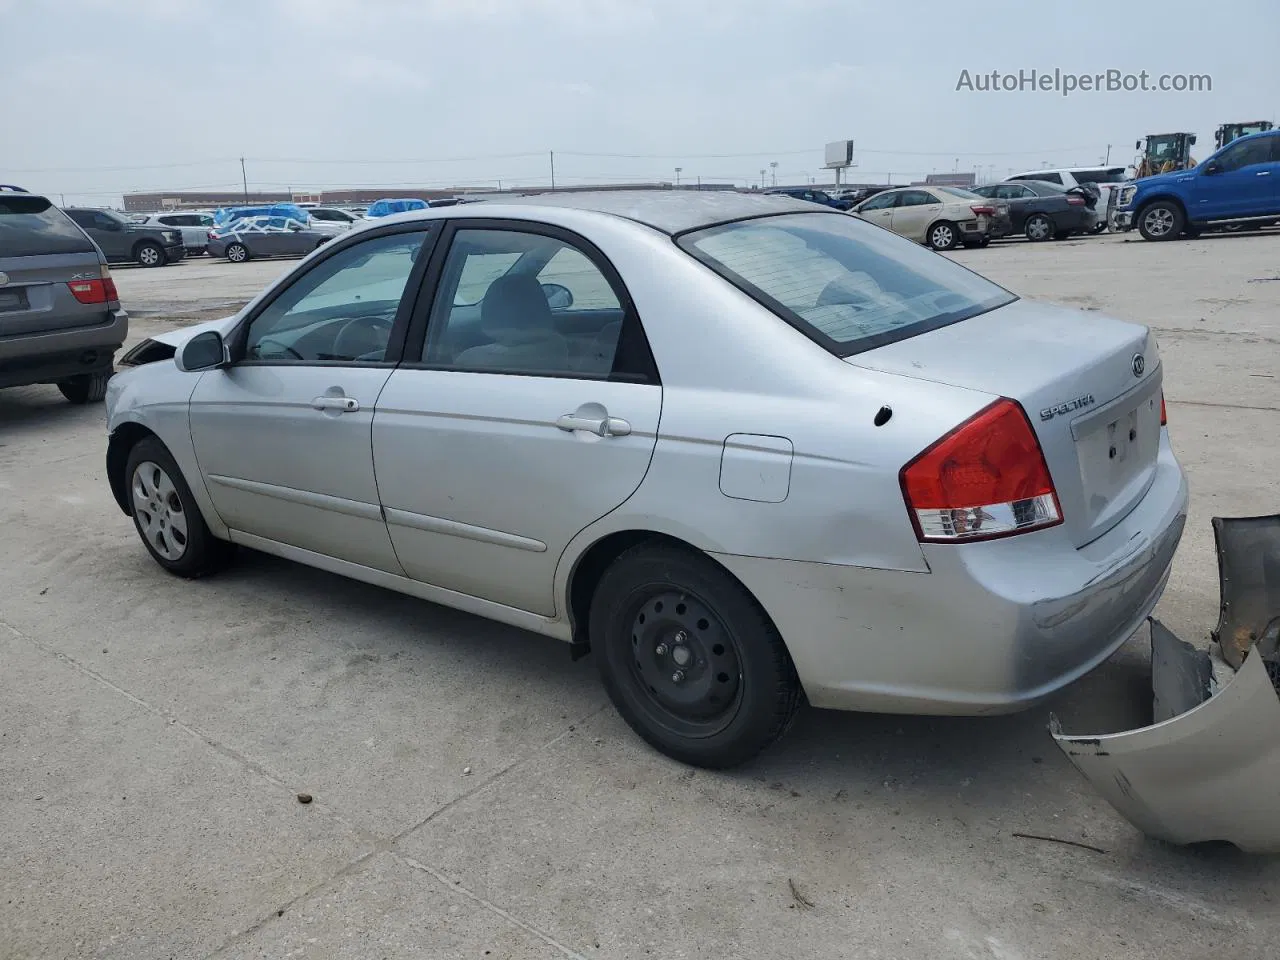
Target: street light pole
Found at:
773, 164
763, 182
678, 169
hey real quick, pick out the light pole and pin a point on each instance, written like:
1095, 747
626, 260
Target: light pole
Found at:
773, 165
763, 183
678, 169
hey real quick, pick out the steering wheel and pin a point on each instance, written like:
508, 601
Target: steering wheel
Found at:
363, 336
277, 347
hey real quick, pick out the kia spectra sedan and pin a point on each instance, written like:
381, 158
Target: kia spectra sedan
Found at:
741, 448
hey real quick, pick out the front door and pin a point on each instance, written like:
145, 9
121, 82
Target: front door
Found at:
283, 436
530, 412
1244, 184
916, 209
879, 209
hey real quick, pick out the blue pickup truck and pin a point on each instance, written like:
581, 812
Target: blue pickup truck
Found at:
1236, 188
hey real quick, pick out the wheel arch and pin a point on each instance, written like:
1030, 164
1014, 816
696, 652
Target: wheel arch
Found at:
146, 242
123, 439
584, 576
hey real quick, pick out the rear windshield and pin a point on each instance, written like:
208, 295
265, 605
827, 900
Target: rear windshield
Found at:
1115, 175
845, 283
960, 192
31, 226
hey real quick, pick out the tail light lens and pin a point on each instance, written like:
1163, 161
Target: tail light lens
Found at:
1075, 201
987, 478
102, 290
1164, 412
984, 211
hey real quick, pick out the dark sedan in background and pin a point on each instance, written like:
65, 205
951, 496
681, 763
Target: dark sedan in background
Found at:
1041, 210
252, 237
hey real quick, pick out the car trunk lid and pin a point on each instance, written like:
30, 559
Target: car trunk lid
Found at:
1090, 385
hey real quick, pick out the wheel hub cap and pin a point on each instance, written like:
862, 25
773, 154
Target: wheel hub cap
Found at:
157, 510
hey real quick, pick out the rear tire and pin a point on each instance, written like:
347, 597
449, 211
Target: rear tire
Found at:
237, 253
85, 388
1039, 227
1161, 220
943, 235
689, 659
150, 254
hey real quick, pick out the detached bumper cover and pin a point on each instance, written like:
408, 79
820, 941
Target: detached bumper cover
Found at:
1208, 768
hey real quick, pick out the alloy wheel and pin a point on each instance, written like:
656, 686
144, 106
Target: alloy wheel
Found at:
1159, 221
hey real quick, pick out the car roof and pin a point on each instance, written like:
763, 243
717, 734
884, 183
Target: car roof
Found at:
669, 211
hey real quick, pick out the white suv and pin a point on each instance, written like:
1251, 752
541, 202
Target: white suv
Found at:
331, 220
194, 225
1105, 179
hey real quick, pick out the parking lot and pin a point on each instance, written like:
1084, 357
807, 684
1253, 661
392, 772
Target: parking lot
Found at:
475, 795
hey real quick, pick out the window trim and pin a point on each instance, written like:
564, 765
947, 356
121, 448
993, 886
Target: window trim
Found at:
798, 323
237, 339
423, 320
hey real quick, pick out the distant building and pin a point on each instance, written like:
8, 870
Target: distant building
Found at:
951, 179
188, 200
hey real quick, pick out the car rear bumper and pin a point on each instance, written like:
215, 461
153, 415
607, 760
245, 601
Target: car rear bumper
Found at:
48, 357
993, 628
1001, 227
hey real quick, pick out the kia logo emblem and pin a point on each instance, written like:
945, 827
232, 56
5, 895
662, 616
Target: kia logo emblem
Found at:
1139, 365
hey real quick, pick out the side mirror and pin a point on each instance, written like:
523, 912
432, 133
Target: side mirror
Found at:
1193, 140
205, 351
559, 297
1212, 169
1137, 145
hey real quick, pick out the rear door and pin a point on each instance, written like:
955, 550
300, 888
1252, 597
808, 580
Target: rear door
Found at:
520, 417
41, 251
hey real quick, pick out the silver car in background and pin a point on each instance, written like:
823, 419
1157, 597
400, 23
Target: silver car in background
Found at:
249, 237
194, 225
739, 447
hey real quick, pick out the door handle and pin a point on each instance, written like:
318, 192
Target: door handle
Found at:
600, 426
337, 404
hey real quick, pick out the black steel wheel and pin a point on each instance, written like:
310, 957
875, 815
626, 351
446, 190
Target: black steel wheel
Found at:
689, 659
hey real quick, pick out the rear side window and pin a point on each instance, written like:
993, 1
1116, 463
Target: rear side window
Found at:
1114, 175
843, 282
31, 226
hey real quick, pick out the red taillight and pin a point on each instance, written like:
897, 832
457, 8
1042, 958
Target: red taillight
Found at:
986, 478
212, 235
1164, 412
101, 290
981, 211
1075, 201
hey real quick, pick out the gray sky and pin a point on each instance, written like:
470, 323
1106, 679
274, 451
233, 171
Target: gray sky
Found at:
103, 96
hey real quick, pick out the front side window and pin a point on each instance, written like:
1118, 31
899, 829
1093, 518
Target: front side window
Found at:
517, 302
847, 285
882, 202
341, 310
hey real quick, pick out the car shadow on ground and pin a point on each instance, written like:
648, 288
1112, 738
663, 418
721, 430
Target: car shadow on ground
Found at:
977, 771
38, 406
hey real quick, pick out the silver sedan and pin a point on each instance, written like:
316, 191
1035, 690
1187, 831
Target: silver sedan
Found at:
739, 447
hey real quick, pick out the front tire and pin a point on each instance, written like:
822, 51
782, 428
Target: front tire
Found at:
150, 254
166, 515
943, 235
1161, 220
237, 253
85, 388
689, 659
